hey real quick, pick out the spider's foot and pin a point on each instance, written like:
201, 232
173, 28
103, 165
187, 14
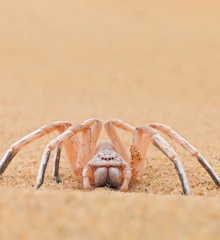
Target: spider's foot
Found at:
57, 179
36, 187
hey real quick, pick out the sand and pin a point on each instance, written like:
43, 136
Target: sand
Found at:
138, 61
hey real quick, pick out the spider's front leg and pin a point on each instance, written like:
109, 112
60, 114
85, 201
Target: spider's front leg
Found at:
78, 162
110, 130
90, 129
138, 148
68, 134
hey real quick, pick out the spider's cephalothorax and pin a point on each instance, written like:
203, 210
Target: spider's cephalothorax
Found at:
108, 163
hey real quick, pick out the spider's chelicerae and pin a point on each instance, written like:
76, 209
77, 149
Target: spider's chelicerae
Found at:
106, 163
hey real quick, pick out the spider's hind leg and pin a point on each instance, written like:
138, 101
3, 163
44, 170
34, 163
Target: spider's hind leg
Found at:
165, 148
60, 126
189, 148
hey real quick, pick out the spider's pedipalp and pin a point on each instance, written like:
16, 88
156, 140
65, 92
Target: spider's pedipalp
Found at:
87, 175
189, 148
126, 175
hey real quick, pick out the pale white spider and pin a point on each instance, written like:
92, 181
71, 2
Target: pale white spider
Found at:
107, 163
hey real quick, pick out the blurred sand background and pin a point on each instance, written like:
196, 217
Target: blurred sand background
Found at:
139, 61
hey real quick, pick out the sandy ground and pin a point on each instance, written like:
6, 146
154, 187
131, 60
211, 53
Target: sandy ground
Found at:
139, 61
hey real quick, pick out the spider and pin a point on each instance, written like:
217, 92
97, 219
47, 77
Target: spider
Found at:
106, 163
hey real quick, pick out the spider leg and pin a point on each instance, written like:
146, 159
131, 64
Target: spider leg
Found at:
88, 174
138, 150
69, 133
142, 141
189, 148
139, 139
57, 163
96, 127
164, 147
16, 147
110, 130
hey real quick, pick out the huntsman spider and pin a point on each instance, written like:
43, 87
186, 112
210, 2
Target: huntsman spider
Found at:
107, 163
